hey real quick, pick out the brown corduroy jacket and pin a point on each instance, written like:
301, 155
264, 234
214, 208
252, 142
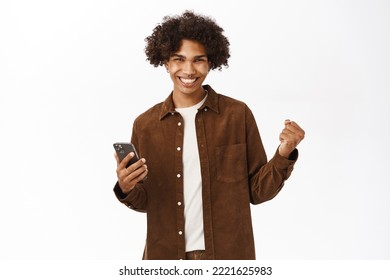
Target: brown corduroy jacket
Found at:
234, 169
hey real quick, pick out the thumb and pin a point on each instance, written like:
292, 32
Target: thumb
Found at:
287, 121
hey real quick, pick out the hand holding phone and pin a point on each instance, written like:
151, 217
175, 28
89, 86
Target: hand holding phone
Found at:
130, 169
123, 149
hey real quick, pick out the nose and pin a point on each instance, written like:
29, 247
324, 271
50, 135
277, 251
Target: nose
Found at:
188, 68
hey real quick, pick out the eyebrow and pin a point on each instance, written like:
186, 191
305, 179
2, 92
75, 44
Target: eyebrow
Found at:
182, 56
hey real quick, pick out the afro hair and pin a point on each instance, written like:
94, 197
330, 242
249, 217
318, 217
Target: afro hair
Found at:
167, 37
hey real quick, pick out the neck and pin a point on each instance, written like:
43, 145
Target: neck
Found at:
182, 100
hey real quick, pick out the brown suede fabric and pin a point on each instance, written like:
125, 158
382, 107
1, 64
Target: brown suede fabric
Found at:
234, 169
196, 255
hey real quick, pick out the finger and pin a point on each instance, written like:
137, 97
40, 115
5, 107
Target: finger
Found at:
132, 168
289, 138
291, 124
130, 182
295, 128
136, 165
124, 173
137, 179
142, 175
132, 176
291, 134
294, 124
126, 160
291, 129
284, 136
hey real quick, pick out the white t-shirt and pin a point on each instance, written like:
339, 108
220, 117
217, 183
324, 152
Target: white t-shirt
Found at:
193, 205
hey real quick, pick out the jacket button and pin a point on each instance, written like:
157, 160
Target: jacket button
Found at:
179, 123
180, 232
178, 175
178, 148
179, 203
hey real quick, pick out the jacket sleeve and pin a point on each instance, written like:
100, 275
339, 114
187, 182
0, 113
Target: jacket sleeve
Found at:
266, 178
136, 199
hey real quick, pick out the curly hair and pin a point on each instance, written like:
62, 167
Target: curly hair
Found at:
167, 37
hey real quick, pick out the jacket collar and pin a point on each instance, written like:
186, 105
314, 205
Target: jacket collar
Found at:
211, 103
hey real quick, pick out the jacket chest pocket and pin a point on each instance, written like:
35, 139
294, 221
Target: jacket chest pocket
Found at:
231, 163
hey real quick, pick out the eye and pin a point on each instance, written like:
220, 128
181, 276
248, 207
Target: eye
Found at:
201, 59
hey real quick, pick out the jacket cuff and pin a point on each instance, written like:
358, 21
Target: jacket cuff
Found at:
285, 163
122, 197
118, 192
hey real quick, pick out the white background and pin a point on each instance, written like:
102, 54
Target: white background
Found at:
73, 77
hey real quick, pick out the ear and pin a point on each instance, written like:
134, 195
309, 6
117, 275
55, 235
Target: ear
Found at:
166, 65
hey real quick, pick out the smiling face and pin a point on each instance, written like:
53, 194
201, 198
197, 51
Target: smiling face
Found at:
188, 68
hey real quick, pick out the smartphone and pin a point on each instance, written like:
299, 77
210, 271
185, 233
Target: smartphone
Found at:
123, 149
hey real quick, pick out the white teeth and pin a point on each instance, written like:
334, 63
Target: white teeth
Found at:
187, 81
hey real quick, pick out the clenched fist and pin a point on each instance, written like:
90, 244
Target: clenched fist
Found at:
290, 137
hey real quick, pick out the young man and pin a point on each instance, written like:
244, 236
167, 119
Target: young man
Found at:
205, 158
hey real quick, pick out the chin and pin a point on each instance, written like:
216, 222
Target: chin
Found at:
189, 91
